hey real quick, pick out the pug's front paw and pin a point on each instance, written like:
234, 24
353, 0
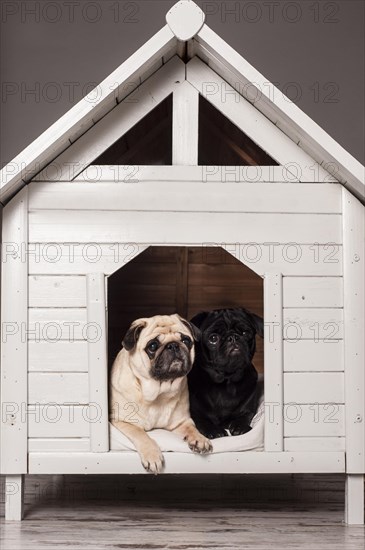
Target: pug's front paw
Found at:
152, 458
198, 443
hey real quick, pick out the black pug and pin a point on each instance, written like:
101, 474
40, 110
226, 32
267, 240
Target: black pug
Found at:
223, 381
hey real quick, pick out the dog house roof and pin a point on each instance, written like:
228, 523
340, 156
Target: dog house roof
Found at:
186, 35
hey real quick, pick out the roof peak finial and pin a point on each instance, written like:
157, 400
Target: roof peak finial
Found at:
185, 19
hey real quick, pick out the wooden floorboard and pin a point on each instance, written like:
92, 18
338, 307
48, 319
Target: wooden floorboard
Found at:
183, 513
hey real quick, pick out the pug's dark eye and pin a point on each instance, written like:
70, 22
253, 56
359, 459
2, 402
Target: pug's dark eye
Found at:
152, 346
213, 338
187, 341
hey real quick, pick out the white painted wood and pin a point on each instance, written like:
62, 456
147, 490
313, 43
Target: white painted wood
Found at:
14, 318
274, 105
54, 445
185, 122
273, 360
326, 444
80, 259
354, 300
354, 499
116, 123
313, 324
316, 420
196, 228
98, 362
136, 173
60, 421
57, 291
14, 497
57, 138
245, 115
185, 19
289, 259
53, 325
314, 387
61, 356
188, 195
60, 388
308, 355
313, 292
187, 463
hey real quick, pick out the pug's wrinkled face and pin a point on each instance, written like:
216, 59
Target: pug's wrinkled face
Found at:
161, 347
228, 338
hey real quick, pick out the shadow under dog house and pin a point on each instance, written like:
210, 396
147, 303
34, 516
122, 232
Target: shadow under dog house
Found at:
289, 205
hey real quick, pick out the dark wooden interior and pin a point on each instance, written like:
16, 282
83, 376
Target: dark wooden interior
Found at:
222, 143
150, 141
184, 280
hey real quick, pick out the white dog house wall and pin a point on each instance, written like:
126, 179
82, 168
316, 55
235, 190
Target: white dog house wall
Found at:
293, 195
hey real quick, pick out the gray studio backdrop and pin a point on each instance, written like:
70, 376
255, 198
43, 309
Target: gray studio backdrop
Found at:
54, 52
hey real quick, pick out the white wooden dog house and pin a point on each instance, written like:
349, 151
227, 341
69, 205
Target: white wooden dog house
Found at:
302, 215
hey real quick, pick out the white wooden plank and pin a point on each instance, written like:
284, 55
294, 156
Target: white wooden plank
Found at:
313, 324
135, 173
316, 420
277, 108
80, 259
245, 115
115, 87
327, 444
61, 388
61, 356
313, 292
56, 445
14, 304
98, 362
94, 226
53, 325
273, 359
354, 300
14, 497
116, 462
60, 421
187, 196
354, 499
309, 355
185, 123
289, 259
57, 291
116, 123
314, 387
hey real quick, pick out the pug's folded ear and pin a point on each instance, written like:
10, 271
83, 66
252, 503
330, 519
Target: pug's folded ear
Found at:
199, 319
258, 323
131, 338
195, 331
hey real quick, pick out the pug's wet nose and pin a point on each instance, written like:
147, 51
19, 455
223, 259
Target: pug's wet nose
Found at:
172, 346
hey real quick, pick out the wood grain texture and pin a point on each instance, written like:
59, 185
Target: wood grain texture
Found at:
308, 355
264, 511
58, 388
313, 292
273, 358
188, 463
61, 356
14, 322
354, 301
314, 387
186, 195
49, 226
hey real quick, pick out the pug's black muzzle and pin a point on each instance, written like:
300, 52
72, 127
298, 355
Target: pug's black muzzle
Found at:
173, 362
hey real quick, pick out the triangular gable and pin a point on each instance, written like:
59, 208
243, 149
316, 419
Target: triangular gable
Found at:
209, 56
